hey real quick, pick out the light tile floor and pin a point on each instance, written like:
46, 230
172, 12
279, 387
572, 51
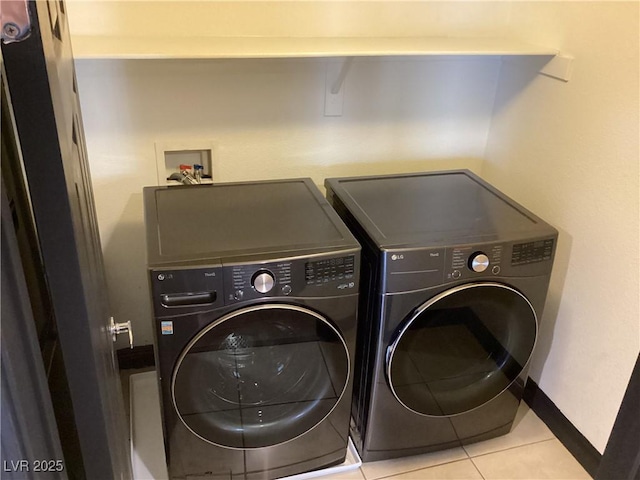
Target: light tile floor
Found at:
529, 452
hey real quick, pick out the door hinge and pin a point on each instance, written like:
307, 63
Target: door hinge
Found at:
15, 20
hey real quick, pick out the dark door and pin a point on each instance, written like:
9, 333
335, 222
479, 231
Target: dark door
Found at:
42, 89
461, 349
260, 376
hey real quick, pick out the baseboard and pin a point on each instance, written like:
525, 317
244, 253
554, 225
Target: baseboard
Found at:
137, 357
562, 428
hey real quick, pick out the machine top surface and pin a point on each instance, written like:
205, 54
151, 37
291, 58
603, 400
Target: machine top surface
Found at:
433, 208
200, 224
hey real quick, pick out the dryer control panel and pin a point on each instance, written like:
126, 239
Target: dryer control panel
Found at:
504, 259
469, 260
532, 252
416, 268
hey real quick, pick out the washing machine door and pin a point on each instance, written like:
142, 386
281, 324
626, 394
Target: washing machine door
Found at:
461, 348
260, 376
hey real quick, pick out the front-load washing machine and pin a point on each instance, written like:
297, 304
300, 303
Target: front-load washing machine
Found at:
453, 282
254, 291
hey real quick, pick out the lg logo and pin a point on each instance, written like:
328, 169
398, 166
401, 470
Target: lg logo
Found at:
397, 257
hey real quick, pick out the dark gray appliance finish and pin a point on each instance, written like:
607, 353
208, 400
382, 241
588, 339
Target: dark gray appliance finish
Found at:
453, 283
240, 220
255, 292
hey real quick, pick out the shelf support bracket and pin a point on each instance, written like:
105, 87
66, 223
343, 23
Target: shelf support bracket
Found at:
337, 85
559, 67
334, 80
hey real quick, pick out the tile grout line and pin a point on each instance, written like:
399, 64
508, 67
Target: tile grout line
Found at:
513, 448
414, 469
476, 467
469, 457
465, 451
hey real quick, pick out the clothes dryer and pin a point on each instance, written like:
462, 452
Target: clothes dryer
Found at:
453, 282
254, 290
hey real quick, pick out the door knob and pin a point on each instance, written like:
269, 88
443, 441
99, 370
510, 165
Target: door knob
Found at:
116, 329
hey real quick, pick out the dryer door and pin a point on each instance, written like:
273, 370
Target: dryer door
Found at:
260, 376
461, 348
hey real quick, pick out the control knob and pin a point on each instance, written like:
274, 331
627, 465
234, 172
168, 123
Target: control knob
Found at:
263, 281
478, 262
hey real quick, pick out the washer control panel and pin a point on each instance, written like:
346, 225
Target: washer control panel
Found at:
323, 271
245, 282
334, 275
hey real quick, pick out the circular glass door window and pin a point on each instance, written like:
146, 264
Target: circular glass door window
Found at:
260, 376
461, 349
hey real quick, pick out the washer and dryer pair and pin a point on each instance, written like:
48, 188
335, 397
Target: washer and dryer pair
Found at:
255, 295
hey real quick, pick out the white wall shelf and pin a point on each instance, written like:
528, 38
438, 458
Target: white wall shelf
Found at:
145, 47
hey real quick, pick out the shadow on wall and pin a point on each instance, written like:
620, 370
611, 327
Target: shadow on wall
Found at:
319, 173
125, 258
522, 72
241, 94
547, 323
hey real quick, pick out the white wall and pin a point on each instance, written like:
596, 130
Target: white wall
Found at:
569, 152
306, 18
266, 119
